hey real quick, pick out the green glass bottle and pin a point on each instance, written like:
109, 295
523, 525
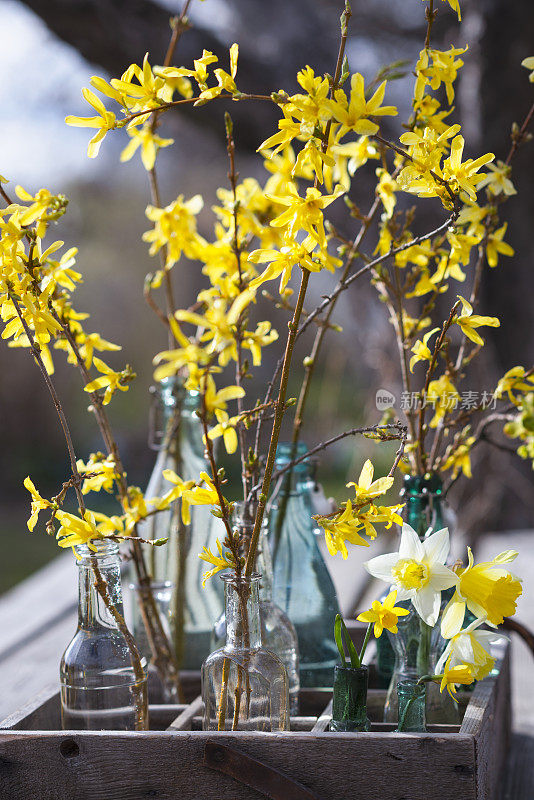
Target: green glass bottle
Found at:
423, 496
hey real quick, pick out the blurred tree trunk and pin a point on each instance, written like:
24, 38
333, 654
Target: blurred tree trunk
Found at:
507, 39
495, 93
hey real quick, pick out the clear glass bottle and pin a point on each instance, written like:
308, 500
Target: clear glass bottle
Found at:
412, 714
101, 688
244, 686
163, 594
302, 585
193, 609
349, 699
278, 633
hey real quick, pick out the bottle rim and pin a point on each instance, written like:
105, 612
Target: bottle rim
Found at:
98, 549
229, 577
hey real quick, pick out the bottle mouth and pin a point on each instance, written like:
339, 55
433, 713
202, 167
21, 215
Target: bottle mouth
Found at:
230, 578
244, 513
411, 687
285, 449
428, 485
287, 452
98, 549
155, 586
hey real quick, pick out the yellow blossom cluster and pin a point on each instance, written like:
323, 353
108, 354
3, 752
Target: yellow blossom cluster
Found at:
360, 515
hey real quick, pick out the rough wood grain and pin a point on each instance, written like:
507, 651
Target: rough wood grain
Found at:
492, 740
104, 766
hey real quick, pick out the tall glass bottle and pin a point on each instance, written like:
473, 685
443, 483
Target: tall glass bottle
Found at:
244, 686
417, 647
302, 585
278, 633
193, 609
101, 687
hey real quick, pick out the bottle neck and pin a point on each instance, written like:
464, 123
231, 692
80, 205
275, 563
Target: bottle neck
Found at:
179, 423
423, 498
93, 568
300, 478
244, 515
243, 630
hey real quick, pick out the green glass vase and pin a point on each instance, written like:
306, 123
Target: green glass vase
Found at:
349, 700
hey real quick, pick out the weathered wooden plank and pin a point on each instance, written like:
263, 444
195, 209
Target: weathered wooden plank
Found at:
39, 602
492, 739
40, 713
167, 766
184, 721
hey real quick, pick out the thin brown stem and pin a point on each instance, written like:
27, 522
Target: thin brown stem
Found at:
163, 658
430, 14
520, 136
321, 332
239, 367
430, 371
393, 426
343, 285
36, 353
277, 424
100, 584
163, 107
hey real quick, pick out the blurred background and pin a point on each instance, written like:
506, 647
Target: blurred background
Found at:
49, 49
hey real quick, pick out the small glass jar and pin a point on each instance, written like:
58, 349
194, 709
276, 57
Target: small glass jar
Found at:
244, 686
349, 700
412, 716
103, 682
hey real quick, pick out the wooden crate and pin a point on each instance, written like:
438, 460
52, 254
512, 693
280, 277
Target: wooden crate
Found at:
37, 760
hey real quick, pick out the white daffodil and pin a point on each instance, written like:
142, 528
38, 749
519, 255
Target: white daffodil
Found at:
417, 571
468, 646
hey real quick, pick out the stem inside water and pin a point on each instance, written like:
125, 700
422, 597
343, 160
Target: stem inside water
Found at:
402, 718
141, 712
221, 716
